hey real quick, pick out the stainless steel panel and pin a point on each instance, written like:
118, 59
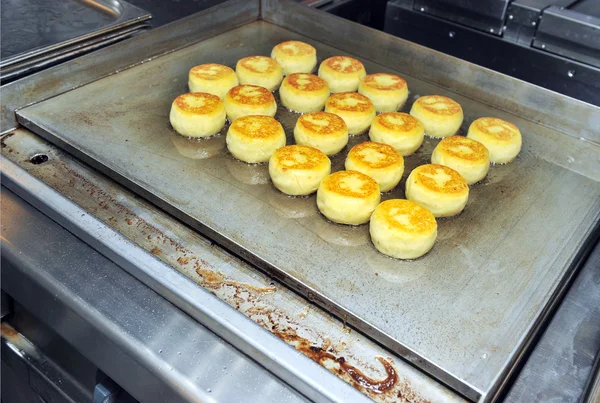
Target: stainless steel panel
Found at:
19, 70
541, 68
156, 352
488, 16
592, 394
31, 28
47, 379
570, 34
462, 313
563, 358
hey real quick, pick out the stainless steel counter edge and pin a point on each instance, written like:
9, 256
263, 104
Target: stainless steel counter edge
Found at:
297, 370
155, 351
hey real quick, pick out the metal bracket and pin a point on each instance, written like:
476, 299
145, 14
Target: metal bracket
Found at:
106, 390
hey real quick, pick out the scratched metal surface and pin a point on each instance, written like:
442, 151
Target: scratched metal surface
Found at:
563, 359
276, 308
460, 313
31, 28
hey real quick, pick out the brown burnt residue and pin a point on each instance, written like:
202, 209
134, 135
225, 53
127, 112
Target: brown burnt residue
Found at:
4, 145
369, 383
156, 251
304, 312
213, 279
340, 366
8, 332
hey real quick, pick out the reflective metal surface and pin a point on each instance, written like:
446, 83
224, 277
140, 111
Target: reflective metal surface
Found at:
476, 254
166, 11
157, 352
32, 28
563, 358
80, 371
275, 308
592, 394
26, 67
44, 377
547, 372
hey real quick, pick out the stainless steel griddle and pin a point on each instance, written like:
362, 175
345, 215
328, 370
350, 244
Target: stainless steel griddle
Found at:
464, 312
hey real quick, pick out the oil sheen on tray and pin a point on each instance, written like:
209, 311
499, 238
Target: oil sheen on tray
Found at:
464, 307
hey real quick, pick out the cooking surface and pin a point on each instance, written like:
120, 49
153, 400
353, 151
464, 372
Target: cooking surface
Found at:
465, 307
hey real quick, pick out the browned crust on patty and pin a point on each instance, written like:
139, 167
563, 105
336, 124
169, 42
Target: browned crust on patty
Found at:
455, 185
334, 183
389, 155
256, 127
350, 102
251, 95
420, 220
451, 107
208, 102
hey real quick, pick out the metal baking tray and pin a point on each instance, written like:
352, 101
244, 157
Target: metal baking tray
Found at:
34, 29
465, 312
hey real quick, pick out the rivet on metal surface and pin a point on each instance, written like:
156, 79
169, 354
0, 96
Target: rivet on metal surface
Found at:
451, 34
510, 17
533, 23
492, 30
422, 8
543, 46
38, 159
571, 73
